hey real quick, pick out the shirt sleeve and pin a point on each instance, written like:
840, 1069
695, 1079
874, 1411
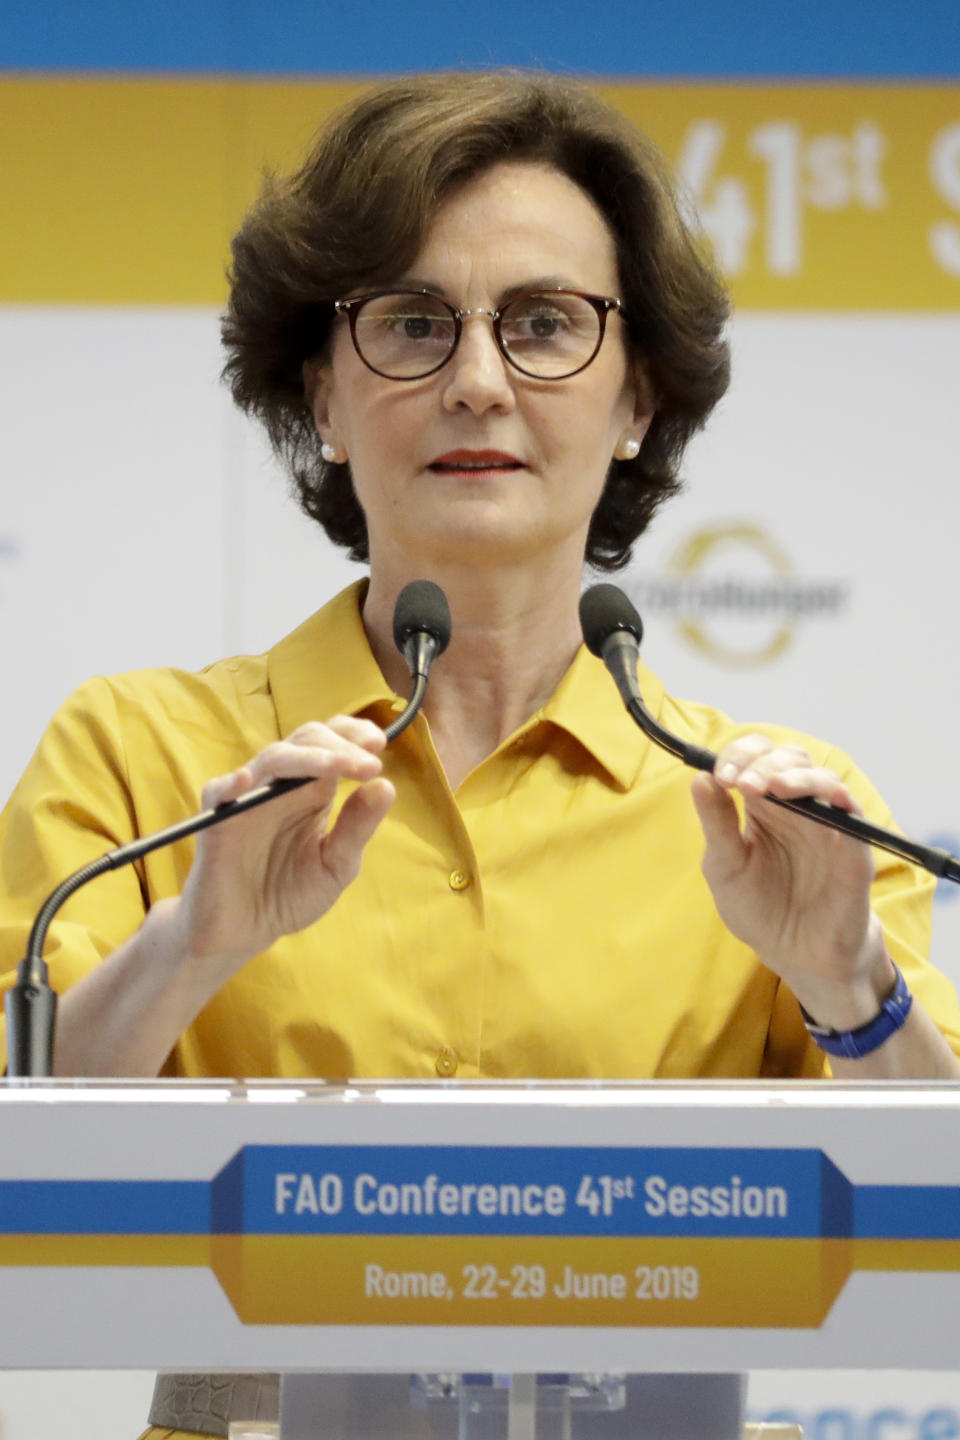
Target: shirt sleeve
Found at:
902, 899
72, 804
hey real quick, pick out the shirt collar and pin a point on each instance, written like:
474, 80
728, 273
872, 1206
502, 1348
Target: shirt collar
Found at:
325, 667
587, 705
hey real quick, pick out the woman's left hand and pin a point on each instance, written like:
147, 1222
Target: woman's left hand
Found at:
796, 892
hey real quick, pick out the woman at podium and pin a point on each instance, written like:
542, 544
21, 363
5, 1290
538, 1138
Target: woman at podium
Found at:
478, 331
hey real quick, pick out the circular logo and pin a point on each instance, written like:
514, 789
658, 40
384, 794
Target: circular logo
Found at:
732, 593
697, 557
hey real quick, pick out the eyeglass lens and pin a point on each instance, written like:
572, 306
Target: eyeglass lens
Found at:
406, 336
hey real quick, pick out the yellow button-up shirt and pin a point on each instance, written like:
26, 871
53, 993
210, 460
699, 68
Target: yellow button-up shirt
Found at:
547, 920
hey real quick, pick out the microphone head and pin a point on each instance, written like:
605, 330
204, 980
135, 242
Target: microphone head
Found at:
422, 609
604, 609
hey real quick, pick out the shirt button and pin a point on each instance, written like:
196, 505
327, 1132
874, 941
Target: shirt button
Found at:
459, 879
447, 1062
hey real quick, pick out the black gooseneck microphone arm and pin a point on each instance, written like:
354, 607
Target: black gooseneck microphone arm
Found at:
612, 629
421, 628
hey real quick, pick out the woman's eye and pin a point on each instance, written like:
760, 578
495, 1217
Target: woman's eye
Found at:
540, 326
415, 327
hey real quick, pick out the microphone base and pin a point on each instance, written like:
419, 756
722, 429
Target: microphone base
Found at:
31, 1012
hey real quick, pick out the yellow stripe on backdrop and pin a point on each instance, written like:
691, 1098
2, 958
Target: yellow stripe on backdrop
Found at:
816, 196
127, 191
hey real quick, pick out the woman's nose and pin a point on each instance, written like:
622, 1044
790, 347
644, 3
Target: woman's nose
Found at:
478, 375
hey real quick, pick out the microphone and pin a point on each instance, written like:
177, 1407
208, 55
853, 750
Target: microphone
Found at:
421, 631
421, 624
612, 630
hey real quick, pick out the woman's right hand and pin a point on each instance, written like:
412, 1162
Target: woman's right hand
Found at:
277, 869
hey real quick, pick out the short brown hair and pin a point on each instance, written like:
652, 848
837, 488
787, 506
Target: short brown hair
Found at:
356, 214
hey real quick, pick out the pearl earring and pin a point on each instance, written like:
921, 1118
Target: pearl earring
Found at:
629, 450
328, 452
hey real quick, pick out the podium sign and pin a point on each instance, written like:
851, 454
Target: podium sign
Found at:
476, 1227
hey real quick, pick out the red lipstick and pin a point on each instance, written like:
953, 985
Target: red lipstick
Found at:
481, 461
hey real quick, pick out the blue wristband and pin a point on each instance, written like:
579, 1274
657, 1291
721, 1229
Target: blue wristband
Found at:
854, 1044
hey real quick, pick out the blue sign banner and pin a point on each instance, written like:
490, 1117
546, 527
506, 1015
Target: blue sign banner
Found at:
445, 1190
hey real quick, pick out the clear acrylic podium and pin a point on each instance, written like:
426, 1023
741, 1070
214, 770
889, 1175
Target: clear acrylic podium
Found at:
510, 1407
526, 1261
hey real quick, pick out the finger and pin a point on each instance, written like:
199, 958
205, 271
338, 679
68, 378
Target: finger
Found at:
226, 787
812, 780
362, 812
739, 755
815, 782
726, 852
351, 728
335, 759
788, 772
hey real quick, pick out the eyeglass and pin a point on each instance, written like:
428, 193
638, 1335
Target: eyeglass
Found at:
409, 334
